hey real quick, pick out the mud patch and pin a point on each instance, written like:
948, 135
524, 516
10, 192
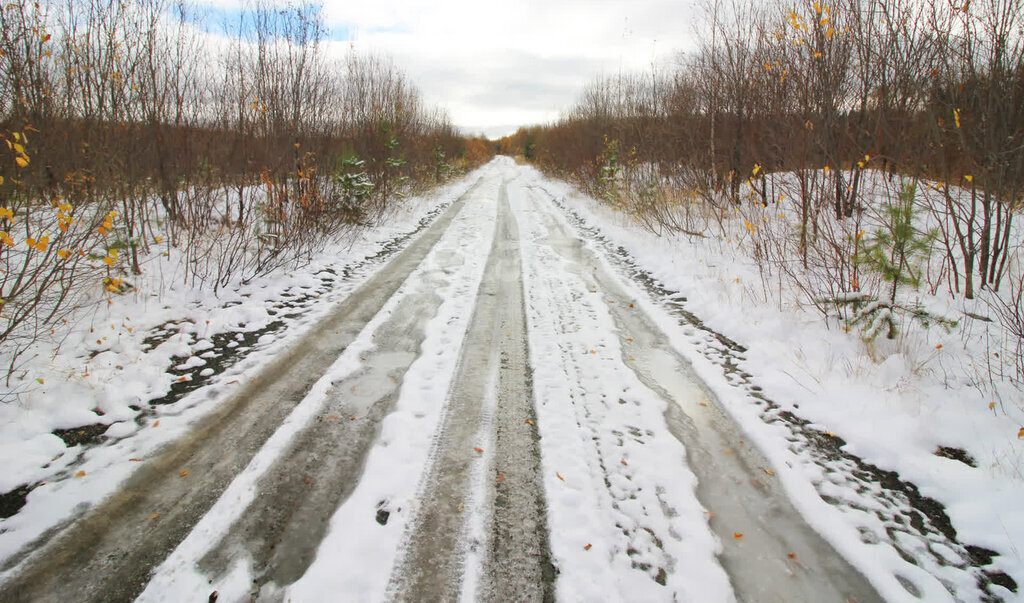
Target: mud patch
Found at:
82, 436
12, 502
956, 454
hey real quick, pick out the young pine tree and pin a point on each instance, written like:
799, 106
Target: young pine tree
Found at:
894, 251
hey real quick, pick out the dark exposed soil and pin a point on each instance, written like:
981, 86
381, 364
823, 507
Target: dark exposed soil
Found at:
12, 502
82, 436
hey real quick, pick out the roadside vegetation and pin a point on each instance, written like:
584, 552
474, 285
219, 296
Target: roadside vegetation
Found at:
240, 144
868, 156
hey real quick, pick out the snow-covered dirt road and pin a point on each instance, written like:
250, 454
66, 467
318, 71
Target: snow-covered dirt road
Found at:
500, 413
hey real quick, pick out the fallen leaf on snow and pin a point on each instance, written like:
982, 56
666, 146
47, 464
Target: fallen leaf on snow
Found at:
183, 473
529, 422
792, 555
727, 451
154, 516
501, 478
135, 460
703, 403
156, 423
587, 548
559, 476
479, 449
623, 461
737, 535
80, 474
767, 470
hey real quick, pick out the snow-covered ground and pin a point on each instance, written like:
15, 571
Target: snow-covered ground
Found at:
624, 513
894, 406
157, 343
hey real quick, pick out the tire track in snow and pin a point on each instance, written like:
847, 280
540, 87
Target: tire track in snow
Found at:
481, 531
623, 518
757, 526
910, 536
110, 552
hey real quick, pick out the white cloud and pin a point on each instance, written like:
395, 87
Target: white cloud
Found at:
495, 65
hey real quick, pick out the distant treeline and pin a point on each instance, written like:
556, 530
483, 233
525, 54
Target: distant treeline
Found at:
130, 124
930, 89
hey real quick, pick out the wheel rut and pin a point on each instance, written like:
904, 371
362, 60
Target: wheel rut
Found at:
110, 552
768, 550
482, 530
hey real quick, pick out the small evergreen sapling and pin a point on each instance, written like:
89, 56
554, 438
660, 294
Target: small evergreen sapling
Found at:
894, 251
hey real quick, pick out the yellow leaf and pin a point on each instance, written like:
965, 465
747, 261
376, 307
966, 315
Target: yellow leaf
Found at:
479, 449
31, 242
831, 32
154, 516
18, 149
956, 117
737, 535
80, 474
1, 179
109, 261
1020, 434
41, 382
158, 239
183, 473
969, 178
6, 238
21, 161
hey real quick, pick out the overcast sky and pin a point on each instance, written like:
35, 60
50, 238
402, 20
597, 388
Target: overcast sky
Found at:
497, 65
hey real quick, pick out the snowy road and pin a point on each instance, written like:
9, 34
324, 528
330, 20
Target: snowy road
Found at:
498, 414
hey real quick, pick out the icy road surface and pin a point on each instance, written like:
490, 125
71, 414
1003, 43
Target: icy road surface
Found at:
495, 415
